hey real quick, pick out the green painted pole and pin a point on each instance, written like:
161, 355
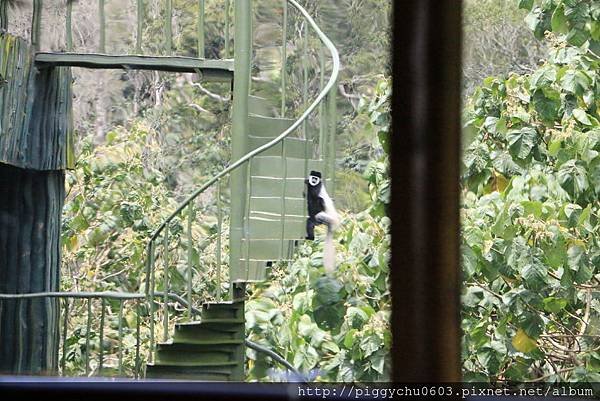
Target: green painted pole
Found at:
201, 15
322, 119
36, 24
121, 337
169, 27
101, 13
64, 338
88, 327
69, 25
190, 217
166, 285
150, 299
284, 57
137, 340
305, 76
140, 18
101, 341
227, 27
239, 127
219, 231
332, 134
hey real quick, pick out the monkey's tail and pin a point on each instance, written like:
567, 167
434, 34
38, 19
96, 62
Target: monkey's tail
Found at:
329, 252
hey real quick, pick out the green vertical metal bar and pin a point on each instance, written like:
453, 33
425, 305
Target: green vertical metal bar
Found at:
36, 24
189, 259
219, 230
305, 75
166, 284
87, 336
201, 15
169, 27
101, 355
332, 135
150, 299
227, 27
120, 337
284, 57
283, 191
3, 14
102, 16
247, 215
239, 126
140, 18
322, 121
64, 337
69, 25
137, 340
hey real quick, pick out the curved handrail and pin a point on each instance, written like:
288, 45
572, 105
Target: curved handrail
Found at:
311, 108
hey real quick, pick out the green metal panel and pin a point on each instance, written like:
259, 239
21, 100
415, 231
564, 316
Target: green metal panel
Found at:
294, 147
263, 228
272, 166
267, 186
36, 123
267, 250
272, 204
260, 106
268, 126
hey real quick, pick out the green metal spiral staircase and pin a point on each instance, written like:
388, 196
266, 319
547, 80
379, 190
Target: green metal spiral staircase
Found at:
272, 153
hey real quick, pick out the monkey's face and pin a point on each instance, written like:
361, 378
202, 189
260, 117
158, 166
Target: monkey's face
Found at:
313, 180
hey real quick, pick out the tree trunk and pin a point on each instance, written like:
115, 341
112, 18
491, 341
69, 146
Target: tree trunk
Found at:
30, 217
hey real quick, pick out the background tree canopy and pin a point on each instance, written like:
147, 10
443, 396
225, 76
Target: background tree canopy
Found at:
531, 184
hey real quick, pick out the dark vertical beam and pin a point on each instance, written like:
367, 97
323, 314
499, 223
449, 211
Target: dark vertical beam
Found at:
30, 213
169, 27
425, 190
69, 25
200, 28
3, 15
140, 19
36, 24
102, 23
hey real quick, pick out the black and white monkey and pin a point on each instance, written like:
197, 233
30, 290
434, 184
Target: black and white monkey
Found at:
321, 211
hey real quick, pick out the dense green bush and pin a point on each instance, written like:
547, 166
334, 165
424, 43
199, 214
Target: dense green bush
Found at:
530, 208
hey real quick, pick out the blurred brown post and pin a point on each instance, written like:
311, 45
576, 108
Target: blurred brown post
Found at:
425, 190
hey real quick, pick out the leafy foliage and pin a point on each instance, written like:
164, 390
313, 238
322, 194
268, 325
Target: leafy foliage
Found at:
530, 211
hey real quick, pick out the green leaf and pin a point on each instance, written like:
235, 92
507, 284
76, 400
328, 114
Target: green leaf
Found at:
523, 343
535, 274
581, 116
572, 177
531, 323
349, 339
578, 36
543, 77
559, 20
554, 305
546, 102
526, 4
521, 142
575, 81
